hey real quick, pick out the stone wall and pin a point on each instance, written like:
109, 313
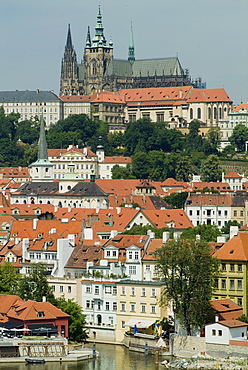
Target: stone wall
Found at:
185, 346
222, 350
102, 333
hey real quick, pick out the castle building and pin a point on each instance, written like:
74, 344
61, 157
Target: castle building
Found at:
100, 71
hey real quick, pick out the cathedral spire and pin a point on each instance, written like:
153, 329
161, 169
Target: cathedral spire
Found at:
99, 37
88, 39
131, 56
42, 148
69, 41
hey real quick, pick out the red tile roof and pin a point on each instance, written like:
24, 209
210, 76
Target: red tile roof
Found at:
152, 247
236, 249
240, 106
60, 152
162, 218
232, 174
226, 309
75, 98
109, 97
117, 160
208, 95
233, 323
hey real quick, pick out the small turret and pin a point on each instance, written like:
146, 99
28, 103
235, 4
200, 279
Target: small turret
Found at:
88, 39
100, 150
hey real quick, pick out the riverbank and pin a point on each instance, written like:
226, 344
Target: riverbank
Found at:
233, 363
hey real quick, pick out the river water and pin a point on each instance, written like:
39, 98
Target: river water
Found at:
111, 357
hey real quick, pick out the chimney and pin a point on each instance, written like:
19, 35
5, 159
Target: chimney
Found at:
110, 219
234, 230
118, 209
166, 236
35, 223
113, 233
180, 93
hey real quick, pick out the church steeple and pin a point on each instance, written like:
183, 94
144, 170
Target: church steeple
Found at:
69, 41
131, 56
42, 169
88, 39
99, 37
42, 147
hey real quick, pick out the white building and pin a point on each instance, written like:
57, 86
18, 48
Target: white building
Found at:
76, 104
222, 332
99, 301
30, 104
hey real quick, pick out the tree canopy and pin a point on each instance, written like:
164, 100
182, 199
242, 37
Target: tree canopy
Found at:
9, 279
239, 137
188, 272
77, 320
35, 286
207, 233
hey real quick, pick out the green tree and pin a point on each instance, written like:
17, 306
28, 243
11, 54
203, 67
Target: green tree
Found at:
7, 124
213, 136
140, 165
211, 169
208, 233
239, 137
156, 160
119, 172
188, 271
226, 229
143, 229
28, 130
9, 279
34, 286
193, 139
184, 169
176, 200
77, 320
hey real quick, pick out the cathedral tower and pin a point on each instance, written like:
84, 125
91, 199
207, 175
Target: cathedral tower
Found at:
69, 84
97, 55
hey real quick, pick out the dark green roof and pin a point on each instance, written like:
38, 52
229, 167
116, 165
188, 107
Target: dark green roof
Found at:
144, 68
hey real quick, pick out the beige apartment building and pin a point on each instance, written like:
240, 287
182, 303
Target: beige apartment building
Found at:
138, 301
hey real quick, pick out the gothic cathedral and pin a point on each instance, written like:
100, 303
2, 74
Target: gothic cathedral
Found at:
100, 71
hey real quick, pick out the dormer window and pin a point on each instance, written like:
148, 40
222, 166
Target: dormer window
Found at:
40, 314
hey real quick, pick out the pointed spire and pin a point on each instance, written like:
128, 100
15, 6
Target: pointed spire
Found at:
42, 148
99, 36
69, 40
131, 56
88, 39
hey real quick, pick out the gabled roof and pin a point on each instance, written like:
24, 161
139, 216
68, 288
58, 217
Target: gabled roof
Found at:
6, 301
29, 311
208, 95
233, 174
226, 309
220, 186
236, 249
109, 97
240, 106
87, 152
161, 218
156, 94
10, 172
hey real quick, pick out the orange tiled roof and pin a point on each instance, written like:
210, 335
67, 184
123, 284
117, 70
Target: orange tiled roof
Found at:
161, 218
232, 174
28, 311
226, 309
75, 98
89, 251
208, 95
60, 152
240, 106
210, 199
233, 323
6, 301
152, 247
108, 97
236, 249
221, 186
156, 94
117, 160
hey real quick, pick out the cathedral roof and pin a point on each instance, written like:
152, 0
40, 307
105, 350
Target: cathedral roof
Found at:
144, 68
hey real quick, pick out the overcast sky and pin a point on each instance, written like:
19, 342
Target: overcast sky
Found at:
209, 37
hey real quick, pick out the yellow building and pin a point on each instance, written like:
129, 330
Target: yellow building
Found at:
232, 282
138, 301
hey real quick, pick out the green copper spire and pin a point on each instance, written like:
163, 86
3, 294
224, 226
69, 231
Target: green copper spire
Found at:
99, 36
131, 56
42, 148
88, 39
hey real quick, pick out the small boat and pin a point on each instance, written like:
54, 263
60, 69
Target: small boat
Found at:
35, 361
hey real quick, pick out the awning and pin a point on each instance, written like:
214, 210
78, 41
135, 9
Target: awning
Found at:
140, 323
43, 328
12, 324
